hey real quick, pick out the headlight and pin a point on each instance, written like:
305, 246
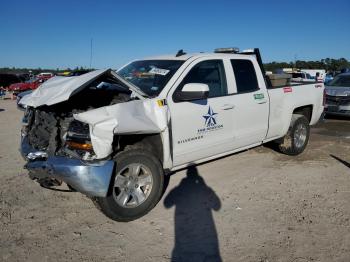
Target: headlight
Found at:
78, 136
79, 146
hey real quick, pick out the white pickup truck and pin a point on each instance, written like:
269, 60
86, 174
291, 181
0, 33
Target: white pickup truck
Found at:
115, 135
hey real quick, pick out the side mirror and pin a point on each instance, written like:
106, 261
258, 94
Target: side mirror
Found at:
193, 91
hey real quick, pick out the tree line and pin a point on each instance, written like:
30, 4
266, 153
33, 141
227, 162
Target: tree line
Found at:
328, 64
35, 71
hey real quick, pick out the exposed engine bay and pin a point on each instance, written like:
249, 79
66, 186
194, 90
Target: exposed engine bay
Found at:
80, 117
74, 127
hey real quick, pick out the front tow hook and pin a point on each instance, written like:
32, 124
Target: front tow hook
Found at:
37, 155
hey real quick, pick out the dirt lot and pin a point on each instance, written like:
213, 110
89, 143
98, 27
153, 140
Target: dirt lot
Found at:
257, 205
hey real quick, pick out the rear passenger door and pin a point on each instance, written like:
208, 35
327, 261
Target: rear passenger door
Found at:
251, 103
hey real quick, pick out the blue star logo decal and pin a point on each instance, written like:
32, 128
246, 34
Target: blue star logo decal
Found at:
210, 117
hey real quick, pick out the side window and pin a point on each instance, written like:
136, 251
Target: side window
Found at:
209, 72
245, 75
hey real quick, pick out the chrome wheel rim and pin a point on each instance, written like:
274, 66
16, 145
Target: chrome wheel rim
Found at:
132, 185
300, 135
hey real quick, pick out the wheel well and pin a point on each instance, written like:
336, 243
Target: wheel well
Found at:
305, 111
150, 142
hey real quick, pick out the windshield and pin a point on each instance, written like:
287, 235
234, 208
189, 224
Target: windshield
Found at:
150, 76
340, 80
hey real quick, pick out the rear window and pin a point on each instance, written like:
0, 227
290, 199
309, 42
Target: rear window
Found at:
297, 75
245, 75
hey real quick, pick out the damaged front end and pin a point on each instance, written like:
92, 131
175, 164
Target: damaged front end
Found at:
58, 147
54, 154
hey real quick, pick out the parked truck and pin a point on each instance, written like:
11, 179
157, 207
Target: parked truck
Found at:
115, 136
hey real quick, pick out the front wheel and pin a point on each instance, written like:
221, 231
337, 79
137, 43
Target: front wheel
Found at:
297, 137
136, 186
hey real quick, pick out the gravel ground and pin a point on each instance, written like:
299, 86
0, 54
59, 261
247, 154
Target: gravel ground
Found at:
257, 205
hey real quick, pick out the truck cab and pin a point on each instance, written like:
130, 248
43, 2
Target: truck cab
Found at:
217, 124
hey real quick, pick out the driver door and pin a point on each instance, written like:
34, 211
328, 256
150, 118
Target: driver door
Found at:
202, 128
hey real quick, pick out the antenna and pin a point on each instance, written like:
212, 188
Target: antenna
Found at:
180, 53
90, 53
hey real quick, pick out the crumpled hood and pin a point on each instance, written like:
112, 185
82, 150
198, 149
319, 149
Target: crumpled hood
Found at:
337, 91
139, 116
133, 117
59, 88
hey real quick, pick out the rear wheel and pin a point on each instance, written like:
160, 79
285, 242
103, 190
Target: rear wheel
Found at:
136, 186
297, 137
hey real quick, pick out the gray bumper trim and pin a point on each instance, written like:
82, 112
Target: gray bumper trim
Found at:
337, 113
92, 179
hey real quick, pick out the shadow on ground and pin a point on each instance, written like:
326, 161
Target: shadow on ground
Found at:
1, 109
347, 164
195, 232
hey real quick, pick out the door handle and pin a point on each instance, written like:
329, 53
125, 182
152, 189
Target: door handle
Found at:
262, 102
227, 107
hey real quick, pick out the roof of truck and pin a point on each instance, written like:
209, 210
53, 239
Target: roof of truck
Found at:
196, 55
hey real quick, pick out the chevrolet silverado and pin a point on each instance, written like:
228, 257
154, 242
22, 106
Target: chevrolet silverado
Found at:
114, 136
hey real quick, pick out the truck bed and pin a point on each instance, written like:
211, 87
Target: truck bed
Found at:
284, 100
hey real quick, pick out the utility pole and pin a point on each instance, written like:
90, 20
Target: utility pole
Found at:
90, 53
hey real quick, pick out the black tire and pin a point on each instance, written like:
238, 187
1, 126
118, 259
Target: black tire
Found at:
290, 144
109, 206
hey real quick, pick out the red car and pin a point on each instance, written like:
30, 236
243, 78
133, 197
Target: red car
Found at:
28, 85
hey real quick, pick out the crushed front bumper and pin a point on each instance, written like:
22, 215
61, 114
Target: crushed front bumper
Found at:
92, 179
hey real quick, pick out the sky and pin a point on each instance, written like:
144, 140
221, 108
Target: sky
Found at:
57, 34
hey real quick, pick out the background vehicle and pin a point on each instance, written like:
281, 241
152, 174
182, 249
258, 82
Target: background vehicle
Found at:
316, 74
74, 72
45, 75
78, 72
338, 95
302, 77
28, 85
329, 77
20, 96
116, 141
8, 79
